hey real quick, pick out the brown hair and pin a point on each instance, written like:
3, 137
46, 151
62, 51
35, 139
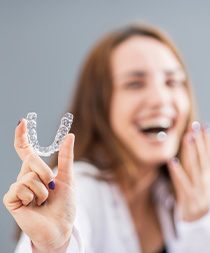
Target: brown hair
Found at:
95, 140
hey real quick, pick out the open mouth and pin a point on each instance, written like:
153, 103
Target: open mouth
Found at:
156, 130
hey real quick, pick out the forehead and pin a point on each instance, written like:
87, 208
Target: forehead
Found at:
145, 53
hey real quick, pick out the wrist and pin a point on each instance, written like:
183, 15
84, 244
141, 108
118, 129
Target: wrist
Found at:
44, 249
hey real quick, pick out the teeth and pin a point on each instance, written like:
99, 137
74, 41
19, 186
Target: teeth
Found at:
166, 123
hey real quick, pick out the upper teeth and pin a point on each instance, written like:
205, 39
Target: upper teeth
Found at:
166, 123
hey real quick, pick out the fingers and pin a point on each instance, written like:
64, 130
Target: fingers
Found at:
180, 180
21, 144
32, 182
195, 152
200, 146
189, 157
65, 159
26, 190
194, 158
206, 131
33, 163
17, 196
191, 179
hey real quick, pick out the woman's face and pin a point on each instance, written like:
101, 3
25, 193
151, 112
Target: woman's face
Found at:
150, 104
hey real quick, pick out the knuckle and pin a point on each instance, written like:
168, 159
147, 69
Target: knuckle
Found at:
46, 174
29, 196
32, 176
12, 186
45, 192
29, 159
18, 188
28, 179
5, 199
44, 195
49, 176
18, 145
15, 144
38, 167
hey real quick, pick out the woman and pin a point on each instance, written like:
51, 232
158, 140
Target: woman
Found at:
142, 174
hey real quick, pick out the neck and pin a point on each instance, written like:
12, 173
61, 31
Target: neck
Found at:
141, 191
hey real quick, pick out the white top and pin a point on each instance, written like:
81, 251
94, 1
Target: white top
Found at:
103, 222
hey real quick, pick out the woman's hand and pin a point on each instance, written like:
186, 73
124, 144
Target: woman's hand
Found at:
191, 177
45, 215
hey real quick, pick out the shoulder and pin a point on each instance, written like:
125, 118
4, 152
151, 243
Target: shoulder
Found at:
86, 173
89, 188
82, 168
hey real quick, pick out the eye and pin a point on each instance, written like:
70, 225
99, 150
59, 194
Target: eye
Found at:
174, 82
134, 84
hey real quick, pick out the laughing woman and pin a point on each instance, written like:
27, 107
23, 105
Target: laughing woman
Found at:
141, 177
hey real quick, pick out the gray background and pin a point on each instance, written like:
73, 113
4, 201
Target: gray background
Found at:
43, 43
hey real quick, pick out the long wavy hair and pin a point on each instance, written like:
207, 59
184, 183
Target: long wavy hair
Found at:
95, 140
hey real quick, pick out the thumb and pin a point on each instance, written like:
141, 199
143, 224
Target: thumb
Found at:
65, 159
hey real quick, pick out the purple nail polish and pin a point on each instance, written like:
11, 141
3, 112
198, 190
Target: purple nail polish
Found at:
52, 185
175, 161
19, 122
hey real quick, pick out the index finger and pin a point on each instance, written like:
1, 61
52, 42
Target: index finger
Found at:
21, 144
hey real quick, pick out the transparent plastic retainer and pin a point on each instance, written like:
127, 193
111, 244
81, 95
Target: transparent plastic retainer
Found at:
63, 130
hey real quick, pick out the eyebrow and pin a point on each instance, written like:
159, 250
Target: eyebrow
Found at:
175, 71
136, 73
142, 73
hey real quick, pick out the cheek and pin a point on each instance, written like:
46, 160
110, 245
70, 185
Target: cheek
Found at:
118, 112
183, 104
121, 111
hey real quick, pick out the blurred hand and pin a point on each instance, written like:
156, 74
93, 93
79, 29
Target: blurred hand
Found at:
191, 177
44, 214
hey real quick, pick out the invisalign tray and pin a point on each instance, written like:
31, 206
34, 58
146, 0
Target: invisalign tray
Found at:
63, 130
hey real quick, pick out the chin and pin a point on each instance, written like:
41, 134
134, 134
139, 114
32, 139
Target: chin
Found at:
157, 158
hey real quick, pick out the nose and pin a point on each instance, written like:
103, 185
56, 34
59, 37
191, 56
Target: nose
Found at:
159, 94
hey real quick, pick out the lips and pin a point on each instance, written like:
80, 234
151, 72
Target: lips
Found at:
156, 125
156, 129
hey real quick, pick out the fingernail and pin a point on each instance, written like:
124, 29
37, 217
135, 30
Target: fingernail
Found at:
207, 127
19, 122
52, 185
196, 126
174, 161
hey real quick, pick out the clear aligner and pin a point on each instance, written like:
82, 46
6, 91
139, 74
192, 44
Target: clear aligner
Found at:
161, 136
63, 130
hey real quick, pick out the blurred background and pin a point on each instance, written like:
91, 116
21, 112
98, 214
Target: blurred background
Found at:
42, 46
